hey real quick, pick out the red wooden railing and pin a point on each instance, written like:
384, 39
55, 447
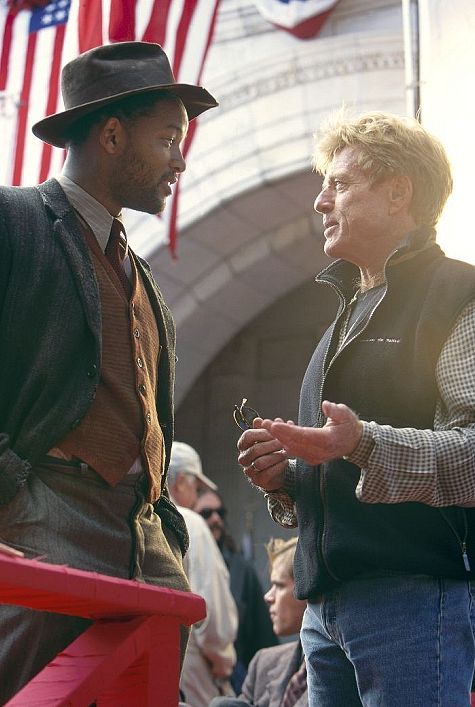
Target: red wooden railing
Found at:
130, 655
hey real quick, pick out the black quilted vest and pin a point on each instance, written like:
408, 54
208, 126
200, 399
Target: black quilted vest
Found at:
386, 373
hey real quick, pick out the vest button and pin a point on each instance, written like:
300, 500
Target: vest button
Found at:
92, 371
148, 417
139, 362
142, 389
136, 333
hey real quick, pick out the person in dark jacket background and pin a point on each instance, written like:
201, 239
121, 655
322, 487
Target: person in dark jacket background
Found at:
383, 487
255, 627
87, 349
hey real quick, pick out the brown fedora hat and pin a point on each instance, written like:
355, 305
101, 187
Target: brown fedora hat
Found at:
113, 71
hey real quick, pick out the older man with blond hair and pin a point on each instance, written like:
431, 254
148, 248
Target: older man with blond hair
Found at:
383, 487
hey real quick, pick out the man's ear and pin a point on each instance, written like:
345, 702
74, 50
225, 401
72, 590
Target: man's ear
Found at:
400, 193
112, 136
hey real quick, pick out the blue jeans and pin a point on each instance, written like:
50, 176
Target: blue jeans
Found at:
391, 641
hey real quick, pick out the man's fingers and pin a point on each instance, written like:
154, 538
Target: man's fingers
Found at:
303, 442
263, 454
337, 412
269, 478
251, 437
338, 437
287, 432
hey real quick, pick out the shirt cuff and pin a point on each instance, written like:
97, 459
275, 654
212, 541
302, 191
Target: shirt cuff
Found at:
282, 509
280, 503
360, 456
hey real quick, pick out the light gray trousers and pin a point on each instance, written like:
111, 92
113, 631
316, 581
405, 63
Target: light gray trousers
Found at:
76, 519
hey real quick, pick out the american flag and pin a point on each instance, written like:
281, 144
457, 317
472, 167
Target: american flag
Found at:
37, 39
302, 18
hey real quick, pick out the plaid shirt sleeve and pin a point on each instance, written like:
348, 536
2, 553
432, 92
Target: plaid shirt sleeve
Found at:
435, 467
281, 503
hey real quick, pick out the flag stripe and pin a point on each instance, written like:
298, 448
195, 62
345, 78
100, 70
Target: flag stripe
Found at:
172, 229
23, 110
122, 20
181, 35
173, 19
90, 25
52, 102
156, 30
14, 65
6, 46
198, 40
209, 39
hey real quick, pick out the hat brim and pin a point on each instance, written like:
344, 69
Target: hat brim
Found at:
206, 481
53, 129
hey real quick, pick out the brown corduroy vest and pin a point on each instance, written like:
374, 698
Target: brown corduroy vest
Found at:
122, 422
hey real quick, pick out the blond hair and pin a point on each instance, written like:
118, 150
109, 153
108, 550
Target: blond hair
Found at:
390, 145
285, 550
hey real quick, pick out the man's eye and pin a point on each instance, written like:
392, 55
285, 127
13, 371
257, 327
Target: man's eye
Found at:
336, 184
169, 141
339, 185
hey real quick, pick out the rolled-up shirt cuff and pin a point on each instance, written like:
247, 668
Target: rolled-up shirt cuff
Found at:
360, 456
280, 503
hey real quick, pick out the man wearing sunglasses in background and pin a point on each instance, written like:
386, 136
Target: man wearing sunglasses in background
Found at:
255, 627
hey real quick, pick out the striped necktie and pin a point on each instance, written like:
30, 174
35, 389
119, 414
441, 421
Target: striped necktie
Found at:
115, 253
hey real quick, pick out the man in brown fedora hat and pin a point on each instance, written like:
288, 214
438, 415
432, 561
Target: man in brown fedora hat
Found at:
87, 355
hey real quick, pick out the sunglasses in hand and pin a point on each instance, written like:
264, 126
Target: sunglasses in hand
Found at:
244, 415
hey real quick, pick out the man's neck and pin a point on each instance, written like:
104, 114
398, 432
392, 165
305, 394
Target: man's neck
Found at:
93, 181
373, 280
412, 243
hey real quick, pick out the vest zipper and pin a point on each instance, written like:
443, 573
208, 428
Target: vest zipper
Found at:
320, 396
465, 558
462, 542
319, 423
365, 325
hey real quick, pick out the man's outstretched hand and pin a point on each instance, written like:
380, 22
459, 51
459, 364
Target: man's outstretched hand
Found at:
339, 436
265, 449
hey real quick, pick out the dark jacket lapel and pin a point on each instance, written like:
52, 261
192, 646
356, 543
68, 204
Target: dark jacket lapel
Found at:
67, 231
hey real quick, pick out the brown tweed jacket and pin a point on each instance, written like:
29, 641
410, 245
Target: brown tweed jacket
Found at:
269, 672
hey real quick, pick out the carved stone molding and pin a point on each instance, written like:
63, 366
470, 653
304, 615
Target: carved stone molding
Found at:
300, 73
